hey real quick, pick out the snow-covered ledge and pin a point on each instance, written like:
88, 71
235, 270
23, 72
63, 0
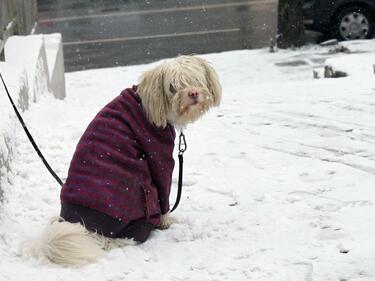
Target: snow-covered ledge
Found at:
43, 59
16, 79
33, 67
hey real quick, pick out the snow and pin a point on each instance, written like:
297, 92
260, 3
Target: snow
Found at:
278, 180
16, 80
354, 64
29, 52
52, 44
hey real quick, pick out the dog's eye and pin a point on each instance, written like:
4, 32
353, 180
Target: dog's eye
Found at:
172, 89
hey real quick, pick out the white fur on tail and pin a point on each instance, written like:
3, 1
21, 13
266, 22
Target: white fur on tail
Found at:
65, 244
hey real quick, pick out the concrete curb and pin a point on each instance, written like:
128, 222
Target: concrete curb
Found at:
33, 67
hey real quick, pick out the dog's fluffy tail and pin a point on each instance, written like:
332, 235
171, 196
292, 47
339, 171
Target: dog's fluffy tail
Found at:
66, 244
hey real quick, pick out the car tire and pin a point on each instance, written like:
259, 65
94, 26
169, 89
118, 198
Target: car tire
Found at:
353, 22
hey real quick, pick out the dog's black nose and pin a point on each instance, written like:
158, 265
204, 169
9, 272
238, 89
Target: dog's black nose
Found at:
193, 94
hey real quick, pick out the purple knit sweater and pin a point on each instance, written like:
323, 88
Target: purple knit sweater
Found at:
123, 164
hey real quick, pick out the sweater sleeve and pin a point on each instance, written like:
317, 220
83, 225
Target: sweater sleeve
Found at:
161, 164
161, 172
158, 145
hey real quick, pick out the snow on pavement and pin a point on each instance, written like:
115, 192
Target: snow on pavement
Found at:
278, 180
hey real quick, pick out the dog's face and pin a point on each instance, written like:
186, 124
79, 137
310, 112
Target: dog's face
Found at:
179, 91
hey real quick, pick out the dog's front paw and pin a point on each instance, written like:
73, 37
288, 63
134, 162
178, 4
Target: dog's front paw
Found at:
166, 221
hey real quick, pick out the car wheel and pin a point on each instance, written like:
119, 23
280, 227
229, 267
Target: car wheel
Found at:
353, 22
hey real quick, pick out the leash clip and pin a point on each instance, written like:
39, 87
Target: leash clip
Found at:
181, 149
182, 146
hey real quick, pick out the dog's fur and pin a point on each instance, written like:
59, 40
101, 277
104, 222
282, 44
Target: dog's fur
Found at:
164, 91
166, 96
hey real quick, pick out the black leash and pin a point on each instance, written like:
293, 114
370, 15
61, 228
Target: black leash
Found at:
181, 149
30, 137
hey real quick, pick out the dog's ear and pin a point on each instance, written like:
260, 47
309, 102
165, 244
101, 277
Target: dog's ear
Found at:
153, 96
212, 80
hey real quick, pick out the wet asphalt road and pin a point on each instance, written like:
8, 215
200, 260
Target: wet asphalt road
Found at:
123, 32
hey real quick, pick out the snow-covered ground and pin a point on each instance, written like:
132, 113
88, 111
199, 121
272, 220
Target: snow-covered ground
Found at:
279, 181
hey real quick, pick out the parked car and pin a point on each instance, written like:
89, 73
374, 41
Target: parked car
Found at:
341, 19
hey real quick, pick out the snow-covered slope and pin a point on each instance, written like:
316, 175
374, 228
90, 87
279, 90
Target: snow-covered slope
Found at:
279, 181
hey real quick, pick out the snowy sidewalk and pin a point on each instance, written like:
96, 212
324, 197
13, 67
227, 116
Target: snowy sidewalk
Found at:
279, 181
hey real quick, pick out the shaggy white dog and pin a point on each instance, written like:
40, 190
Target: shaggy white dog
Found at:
177, 92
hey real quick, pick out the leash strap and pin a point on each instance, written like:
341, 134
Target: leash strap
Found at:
182, 146
181, 149
30, 136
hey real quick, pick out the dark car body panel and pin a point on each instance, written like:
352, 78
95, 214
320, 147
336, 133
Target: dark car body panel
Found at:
318, 14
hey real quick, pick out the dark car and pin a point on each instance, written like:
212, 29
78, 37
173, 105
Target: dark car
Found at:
341, 19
